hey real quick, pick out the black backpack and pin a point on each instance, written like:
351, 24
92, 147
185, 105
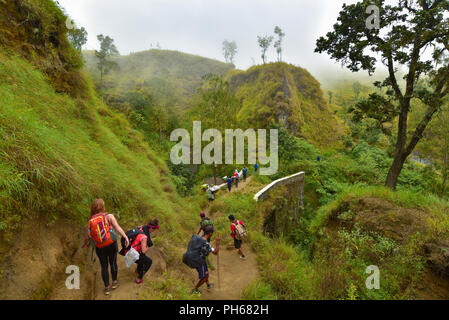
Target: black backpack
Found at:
196, 252
132, 234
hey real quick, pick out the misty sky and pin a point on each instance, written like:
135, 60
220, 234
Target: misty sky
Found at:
200, 26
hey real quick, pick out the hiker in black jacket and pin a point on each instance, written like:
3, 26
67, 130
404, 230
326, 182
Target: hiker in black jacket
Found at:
200, 250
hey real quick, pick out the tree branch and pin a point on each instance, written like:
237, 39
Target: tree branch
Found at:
417, 135
393, 80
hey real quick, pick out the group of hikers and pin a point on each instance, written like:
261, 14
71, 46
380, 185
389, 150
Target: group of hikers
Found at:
103, 231
235, 178
199, 248
230, 180
102, 235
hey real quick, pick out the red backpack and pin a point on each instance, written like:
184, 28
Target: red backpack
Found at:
100, 230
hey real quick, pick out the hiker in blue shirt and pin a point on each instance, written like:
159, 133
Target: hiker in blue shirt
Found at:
256, 166
244, 171
229, 182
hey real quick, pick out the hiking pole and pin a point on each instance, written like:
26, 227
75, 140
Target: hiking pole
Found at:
218, 269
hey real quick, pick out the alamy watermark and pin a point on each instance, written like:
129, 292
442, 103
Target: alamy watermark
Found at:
373, 21
213, 153
373, 281
73, 280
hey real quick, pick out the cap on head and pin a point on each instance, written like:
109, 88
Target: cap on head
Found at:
231, 217
202, 214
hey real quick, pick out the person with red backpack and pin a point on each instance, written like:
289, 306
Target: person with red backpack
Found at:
101, 231
238, 233
140, 240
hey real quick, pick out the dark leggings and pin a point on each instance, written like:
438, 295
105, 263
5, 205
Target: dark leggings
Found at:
143, 265
108, 255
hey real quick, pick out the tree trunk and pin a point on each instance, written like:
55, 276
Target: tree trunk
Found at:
400, 155
395, 170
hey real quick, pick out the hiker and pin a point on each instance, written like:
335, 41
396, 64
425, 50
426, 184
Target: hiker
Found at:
244, 172
238, 232
206, 221
195, 257
229, 182
101, 231
140, 239
236, 176
211, 194
255, 167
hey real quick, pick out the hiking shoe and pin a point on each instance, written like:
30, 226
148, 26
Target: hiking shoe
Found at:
196, 291
139, 281
114, 284
107, 290
210, 286
243, 257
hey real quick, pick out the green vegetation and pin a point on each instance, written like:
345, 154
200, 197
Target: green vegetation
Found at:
63, 144
280, 93
417, 26
167, 74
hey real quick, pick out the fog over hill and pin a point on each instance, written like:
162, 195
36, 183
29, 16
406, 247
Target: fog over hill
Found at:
199, 27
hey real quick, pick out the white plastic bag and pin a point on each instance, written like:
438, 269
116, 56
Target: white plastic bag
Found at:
131, 257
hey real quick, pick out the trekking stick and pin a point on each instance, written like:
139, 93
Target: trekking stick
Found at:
218, 270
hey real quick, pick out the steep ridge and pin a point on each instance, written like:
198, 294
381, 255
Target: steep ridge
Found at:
61, 147
287, 95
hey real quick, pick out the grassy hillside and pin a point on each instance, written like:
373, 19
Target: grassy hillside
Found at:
61, 147
287, 95
403, 233
171, 76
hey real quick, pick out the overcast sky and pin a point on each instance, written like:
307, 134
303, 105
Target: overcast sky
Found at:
200, 26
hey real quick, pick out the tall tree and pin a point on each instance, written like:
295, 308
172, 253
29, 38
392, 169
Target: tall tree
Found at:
229, 50
406, 29
278, 43
107, 50
264, 44
357, 87
78, 37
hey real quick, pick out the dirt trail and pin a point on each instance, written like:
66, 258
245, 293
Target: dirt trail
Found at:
235, 274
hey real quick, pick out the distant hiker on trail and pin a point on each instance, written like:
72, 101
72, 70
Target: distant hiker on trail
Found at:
211, 195
238, 233
244, 172
101, 231
236, 177
229, 182
255, 167
195, 257
140, 239
206, 221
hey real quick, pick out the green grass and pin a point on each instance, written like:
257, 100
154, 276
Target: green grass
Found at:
58, 154
437, 208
